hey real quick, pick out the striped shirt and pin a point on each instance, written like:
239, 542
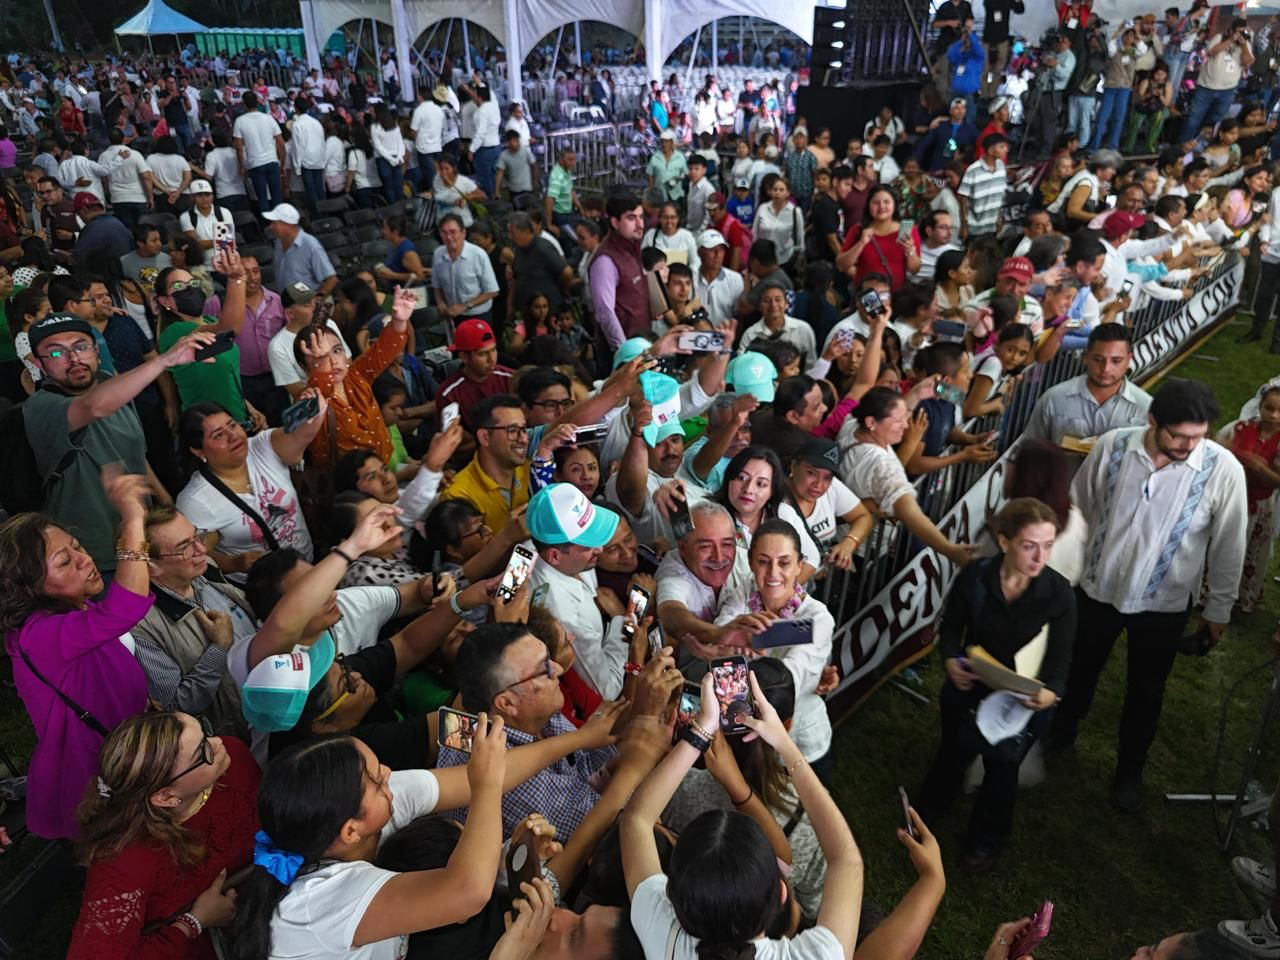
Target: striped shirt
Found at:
929, 259
984, 189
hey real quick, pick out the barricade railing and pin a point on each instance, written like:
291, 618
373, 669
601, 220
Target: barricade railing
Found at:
885, 610
598, 156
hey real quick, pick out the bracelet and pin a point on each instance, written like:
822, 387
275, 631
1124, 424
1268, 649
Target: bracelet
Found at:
454, 605
745, 800
343, 555
191, 923
695, 740
144, 548
133, 555
791, 768
854, 537
702, 731
632, 669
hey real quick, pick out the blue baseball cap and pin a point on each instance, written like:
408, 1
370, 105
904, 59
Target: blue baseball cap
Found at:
752, 373
629, 350
663, 393
277, 688
560, 513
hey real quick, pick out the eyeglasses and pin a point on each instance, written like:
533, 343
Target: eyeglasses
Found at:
187, 548
478, 530
348, 683
204, 751
553, 406
512, 431
548, 670
58, 354
182, 285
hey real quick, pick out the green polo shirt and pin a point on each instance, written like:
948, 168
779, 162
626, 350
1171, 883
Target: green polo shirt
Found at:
560, 190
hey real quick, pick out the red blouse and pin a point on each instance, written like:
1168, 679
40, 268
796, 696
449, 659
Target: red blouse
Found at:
880, 255
1245, 439
143, 885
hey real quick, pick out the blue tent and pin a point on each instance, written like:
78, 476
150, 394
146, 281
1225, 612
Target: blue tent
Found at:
156, 19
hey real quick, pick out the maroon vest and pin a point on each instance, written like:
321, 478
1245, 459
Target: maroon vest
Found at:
632, 296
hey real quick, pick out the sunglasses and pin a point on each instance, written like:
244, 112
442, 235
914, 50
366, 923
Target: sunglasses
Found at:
348, 683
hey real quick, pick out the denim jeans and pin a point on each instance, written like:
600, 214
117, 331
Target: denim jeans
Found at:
486, 159
1081, 116
1111, 117
182, 133
1205, 104
1177, 61
128, 213
392, 180
313, 184
426, 169
266, 184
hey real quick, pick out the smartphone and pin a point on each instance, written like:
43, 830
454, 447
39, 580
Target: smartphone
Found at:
784, 633
591, 433
456, 730
701, 341
689, 707
447, 416
637, 606
224, 237
518, 569
733, 691
950, 393
1110, 201
1074, 323
222, 342
523, 865
906, 815
681, 522
657, 640
871, 303
435, 572
845, 337
949, 329
1125, 288
296, 414
1034, 933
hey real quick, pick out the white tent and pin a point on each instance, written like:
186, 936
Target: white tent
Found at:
519, 24
157, 19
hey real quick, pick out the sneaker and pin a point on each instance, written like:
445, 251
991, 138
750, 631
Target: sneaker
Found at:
1257, 937
1256, 876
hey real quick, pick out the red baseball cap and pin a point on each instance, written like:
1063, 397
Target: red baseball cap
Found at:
473, 334
85, 199
1017, 267
1121, 221
715, 200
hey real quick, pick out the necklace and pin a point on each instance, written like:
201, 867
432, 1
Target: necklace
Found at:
204, 798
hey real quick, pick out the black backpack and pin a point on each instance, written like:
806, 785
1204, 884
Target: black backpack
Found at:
21, 489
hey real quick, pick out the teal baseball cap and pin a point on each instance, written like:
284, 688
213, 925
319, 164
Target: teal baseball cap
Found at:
560, 513
277, 689
629, 350
663, 393
752, 373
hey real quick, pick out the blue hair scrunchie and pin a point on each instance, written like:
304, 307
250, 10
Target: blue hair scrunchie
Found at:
281, 864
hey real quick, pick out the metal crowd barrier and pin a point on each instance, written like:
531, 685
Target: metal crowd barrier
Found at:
598, 156
885, 608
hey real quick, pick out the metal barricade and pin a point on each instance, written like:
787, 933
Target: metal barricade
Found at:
597, 156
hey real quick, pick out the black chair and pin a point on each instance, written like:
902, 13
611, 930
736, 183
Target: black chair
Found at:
264, 253
334, 206
160, 220
332, 241
375, 249
366, 234
356, 218
248, 223
400, 206
268, 274
327, 225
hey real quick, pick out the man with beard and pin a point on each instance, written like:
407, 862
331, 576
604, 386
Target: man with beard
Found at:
79, 420
1164, 505
619, 293
1100, 399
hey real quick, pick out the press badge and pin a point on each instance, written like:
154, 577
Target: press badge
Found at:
997, 15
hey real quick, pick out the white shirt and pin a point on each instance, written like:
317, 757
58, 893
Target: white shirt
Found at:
318, 917
222, 165
126, 177
521, 126
427, 125
77, 167
678, 584
307, 140
257, 132
168, 170
681, 244
284, 367
601, 649
872, 472
719, 295
359, 165
272, 496
1196, 507
488, 122
785, 228
193, 219
796, 332
335, 164
387, 144
810, 724
819, 528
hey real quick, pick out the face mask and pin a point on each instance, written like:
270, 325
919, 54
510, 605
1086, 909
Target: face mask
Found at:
189, 301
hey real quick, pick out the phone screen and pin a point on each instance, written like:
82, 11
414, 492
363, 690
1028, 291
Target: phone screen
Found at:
689, 708
872, 303
681, 522
296, 414
517, 572
457, 730
906, 814
637, 604
447, 416
733, 691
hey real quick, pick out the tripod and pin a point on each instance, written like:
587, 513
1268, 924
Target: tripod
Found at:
1250, 800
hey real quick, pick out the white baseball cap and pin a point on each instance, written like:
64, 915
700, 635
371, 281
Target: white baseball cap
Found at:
200, 186
284, 213
710, 239
560, 514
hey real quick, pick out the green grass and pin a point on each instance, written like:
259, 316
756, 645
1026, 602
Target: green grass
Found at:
1118, 881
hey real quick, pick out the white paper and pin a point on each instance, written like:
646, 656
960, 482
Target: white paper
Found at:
1002, 715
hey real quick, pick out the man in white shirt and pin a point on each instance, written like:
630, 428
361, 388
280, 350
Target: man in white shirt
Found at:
222, 164
299, 307
130, 181
519, 123
307, 140
260, 150
485, 145
935, 240
568, 532
1167, 514
774, 323
390, 77
692, 579
78, 173
427, 125
716, 287
198, 222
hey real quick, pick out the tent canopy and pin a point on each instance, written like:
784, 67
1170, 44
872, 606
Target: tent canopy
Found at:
156, 20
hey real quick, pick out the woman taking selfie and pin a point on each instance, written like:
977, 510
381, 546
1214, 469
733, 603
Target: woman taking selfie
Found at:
72, 656
775, 593
725, 888
1002, 604
171, 816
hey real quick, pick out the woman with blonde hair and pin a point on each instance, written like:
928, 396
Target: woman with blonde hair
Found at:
171, 814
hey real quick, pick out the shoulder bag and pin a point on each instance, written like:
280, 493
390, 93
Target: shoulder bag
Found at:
268, 537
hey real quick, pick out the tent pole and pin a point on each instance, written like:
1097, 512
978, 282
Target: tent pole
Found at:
53, 25
466, 48
915, 29
377, 56
693, 58
577, 39
359, 40
555, 57
715, 45
444, 51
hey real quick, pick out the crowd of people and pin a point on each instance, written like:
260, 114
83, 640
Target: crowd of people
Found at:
328, 423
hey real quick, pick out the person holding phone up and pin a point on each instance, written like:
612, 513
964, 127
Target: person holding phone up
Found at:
1002, 603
